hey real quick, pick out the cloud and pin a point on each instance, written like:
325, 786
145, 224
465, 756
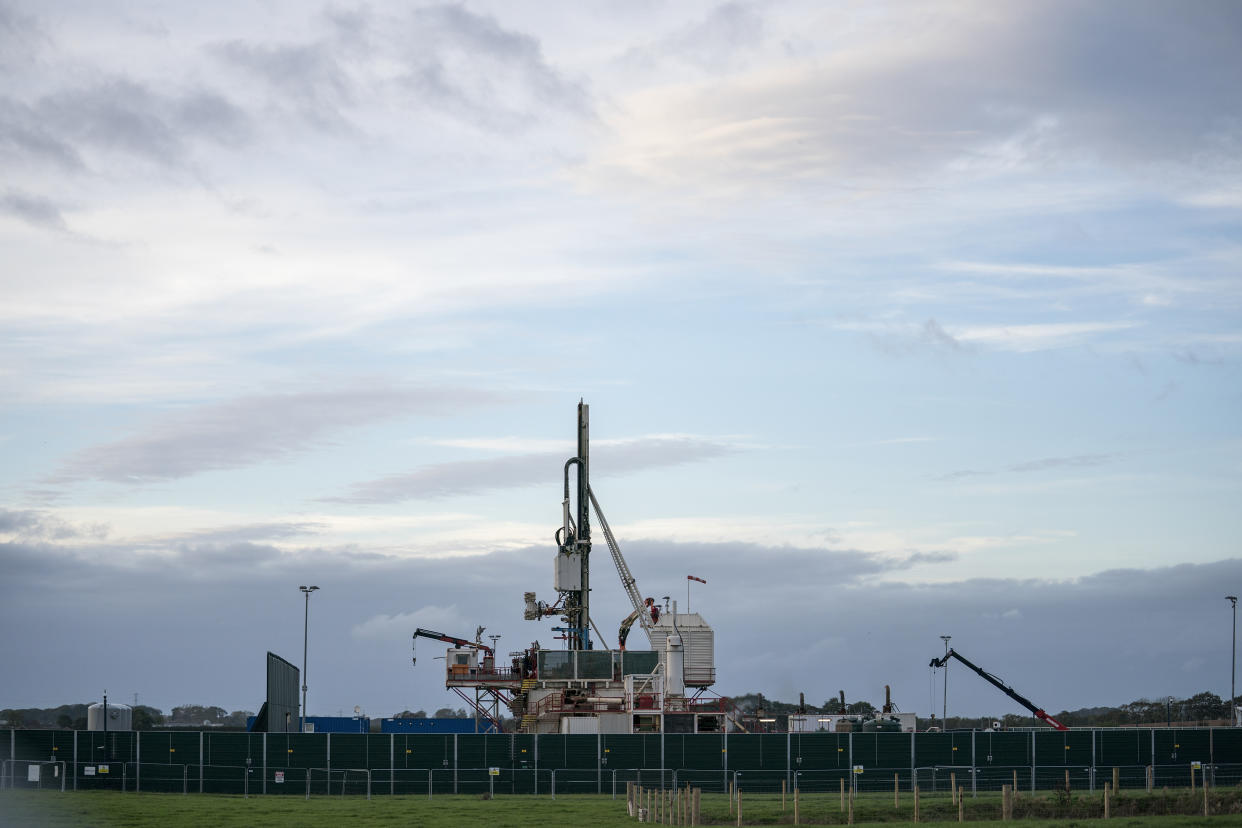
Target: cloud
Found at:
881, 623
308, 75
902, 100
933, 333
37, 525
470, 67
1038, 337
714, 42
402, 625
249, 430
474, 476
1076, 461
121, 116
35, 210
248, 533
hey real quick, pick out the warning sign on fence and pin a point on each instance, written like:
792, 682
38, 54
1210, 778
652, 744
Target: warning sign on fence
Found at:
280, 777
103, 768
858, 769
89, 770
493, 771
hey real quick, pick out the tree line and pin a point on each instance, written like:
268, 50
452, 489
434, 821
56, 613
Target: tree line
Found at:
143, 717
1200, 708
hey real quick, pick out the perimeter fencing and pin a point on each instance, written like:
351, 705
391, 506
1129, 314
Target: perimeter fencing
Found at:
333, 764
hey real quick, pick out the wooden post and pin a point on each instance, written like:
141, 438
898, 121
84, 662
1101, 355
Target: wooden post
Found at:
953, 788
796, 815
1015, 782
738, 794
696, 815
842, 795
784, 785
1205, 797
1192, 777
1067, 784
851, 816
1004, 803
730, 799
1107, 797
896, 789
916, 803
1116, 779
961, 805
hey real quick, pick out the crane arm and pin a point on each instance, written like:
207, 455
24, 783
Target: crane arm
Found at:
1004, 688
627, 579
460, 642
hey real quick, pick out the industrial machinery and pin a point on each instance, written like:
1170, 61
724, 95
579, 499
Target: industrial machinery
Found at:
586, 688
1004, 688
492, 687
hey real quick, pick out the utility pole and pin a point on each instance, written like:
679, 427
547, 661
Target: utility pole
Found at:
944, 713
306, 590
1233, 662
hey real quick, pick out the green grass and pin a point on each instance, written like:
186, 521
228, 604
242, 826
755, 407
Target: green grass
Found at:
108, 809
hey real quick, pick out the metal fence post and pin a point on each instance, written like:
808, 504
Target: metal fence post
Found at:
554, 784
454, 763
1092, 773
392, 764
138, 762
1032, 761
75, 759
974, 765
264, 763
200, 761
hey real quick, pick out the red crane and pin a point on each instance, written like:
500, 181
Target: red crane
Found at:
451, 639
1004, 688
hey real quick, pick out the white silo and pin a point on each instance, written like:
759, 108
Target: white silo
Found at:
120, 717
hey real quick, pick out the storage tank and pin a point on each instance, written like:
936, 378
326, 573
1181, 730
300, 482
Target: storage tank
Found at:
698, 645
120, 717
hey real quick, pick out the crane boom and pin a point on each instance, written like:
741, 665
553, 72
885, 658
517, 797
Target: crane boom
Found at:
1004, 688
460, 642
627, 579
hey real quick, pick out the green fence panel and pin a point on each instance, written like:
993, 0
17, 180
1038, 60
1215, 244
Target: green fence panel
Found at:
742, 752
622, 750
819, 751
892, 750
1123, 748
1227, 745
703, 751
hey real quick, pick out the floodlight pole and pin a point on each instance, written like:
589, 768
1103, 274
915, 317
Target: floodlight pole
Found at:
944, 713
306, 590
1233, 663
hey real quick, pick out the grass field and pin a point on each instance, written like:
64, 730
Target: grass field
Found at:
108, 809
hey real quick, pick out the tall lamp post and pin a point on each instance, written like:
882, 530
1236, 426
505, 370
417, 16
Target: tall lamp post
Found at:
306, 590
944, 714
1233, 662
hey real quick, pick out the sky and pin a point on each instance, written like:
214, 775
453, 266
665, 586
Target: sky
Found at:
896, 320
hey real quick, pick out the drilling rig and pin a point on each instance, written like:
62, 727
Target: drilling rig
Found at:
587, 687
